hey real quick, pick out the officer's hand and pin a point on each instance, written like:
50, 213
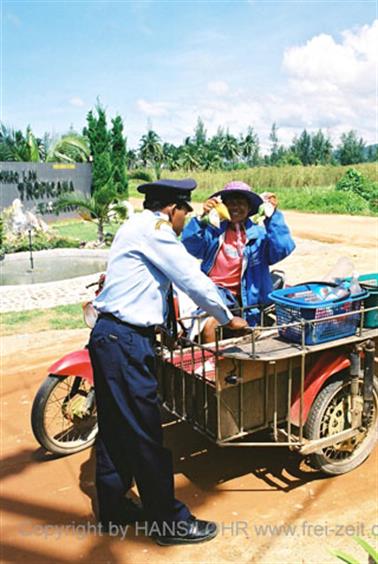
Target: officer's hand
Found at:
237, 324
210, 204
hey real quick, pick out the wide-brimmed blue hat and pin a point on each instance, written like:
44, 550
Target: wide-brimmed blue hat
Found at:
237, 187
178, 191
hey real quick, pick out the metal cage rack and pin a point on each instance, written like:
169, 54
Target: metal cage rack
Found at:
237, 386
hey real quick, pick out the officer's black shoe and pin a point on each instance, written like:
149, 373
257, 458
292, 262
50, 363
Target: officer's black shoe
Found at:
190, 531
130, 513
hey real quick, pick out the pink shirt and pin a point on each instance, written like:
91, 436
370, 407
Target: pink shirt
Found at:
227, 268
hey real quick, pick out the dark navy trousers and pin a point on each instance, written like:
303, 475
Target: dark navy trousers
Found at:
130, 440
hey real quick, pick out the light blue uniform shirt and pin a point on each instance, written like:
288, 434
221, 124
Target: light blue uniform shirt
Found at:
145, 257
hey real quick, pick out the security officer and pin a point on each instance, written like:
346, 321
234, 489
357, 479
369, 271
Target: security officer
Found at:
145, 257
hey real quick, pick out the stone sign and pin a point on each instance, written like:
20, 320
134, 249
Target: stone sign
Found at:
38, 185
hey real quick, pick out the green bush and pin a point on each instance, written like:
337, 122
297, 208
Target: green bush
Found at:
1, 231
322, 200
355, 182
40, 241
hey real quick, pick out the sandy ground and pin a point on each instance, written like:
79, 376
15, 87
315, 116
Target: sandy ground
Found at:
47, 503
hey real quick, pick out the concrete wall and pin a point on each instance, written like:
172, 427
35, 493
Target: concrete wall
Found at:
38, 185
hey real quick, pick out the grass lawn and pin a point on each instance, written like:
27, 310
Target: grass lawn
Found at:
36, 320
80, 229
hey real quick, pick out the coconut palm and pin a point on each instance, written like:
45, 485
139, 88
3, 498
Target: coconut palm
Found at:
103, 206
99, 208
230, 147
131, 159
70, 148
171, 156
250, 147
188, 158
211, 160
150, 148
15, 146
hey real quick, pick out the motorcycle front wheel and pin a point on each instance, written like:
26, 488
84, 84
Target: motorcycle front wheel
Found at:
63, 417
330, 413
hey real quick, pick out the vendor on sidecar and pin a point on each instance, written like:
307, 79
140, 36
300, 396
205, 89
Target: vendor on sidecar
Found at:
237, 254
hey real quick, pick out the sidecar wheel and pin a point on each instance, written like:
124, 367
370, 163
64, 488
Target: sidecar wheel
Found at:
62, 421
330, 414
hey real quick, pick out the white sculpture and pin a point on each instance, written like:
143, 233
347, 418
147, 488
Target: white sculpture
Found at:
19, 222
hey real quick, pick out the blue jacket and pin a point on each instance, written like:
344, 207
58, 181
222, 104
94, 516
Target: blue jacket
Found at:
264, 246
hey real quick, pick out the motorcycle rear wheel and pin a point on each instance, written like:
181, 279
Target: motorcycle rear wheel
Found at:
61, 420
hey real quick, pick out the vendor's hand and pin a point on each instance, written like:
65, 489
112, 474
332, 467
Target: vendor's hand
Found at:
210, 204
237, 324
271, 198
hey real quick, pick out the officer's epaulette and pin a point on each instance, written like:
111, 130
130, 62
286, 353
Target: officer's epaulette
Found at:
161, 222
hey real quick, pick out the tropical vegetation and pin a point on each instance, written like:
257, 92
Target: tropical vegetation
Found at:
310, 163
221, 151
109, 190
17, 147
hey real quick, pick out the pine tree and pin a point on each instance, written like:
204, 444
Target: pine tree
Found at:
351, 149
118, 157
200, 133
99, 144
321, 148
274, 149
302, 148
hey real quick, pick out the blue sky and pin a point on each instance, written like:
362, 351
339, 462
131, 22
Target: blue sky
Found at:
163, 63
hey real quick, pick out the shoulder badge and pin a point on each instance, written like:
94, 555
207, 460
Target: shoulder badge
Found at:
161, 222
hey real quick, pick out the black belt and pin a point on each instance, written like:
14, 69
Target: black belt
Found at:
142, 330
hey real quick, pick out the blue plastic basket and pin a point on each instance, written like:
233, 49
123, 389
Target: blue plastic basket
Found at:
301, 303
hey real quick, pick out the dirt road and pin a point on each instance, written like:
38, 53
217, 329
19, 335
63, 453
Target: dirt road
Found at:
47, 504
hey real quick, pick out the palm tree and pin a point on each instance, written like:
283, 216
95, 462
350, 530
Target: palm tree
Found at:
131, 159
249, 146
103, 206
70, 148
150, 148
14, 146
211, 160
230, 147
171, 156
100, 207
188, 158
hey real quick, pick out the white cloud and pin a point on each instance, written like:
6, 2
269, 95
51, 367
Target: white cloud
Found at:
152, 108
218, 87
330, 84
77, 102
334, 83
336, 66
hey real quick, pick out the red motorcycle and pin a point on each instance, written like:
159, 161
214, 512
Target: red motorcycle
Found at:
318, 398
63, 417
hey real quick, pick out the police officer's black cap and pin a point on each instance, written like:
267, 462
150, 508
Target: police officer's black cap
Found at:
178, 191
